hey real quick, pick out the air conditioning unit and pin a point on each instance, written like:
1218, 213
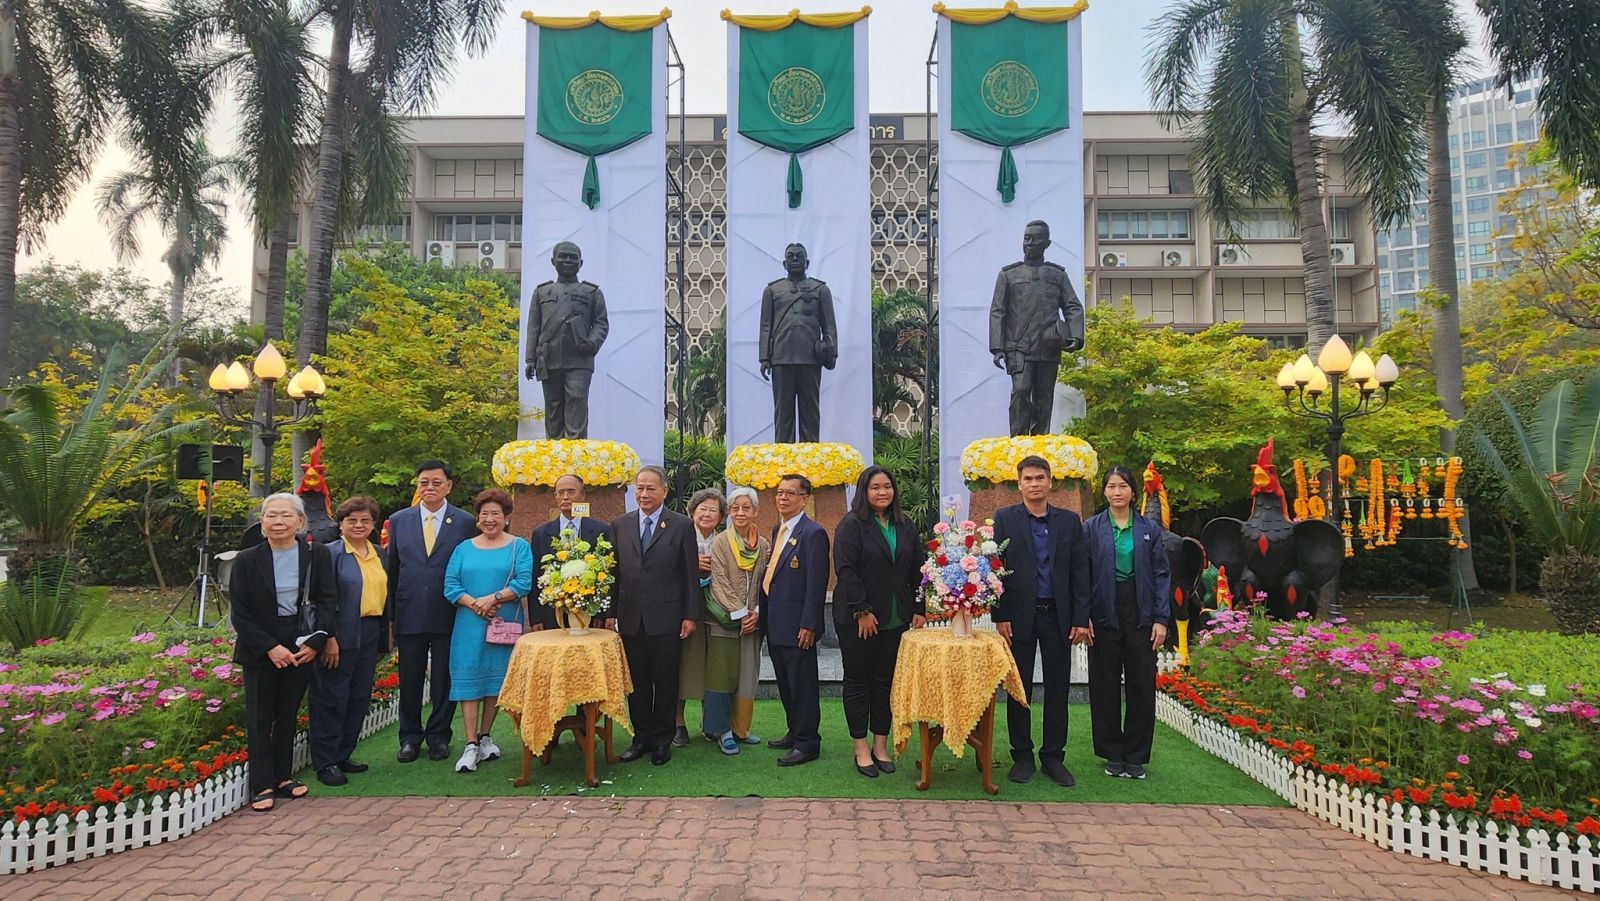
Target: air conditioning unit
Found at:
1233, 255
1342, 254
1113, 260
1174, 258
491, 254
442, 252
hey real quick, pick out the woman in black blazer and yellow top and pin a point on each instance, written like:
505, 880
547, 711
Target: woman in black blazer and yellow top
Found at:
342, 677
877, 557
282, 607
1128, 618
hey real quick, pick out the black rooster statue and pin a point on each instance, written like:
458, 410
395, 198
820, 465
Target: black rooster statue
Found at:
1185, 557
1271, 554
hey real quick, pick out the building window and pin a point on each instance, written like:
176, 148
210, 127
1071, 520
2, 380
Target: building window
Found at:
380, 232
1482, 272
1477, 139
1383, 281
1477, 160
1405, 259
1422, 234
1502, 156
1477, 205
1478, 229
1527, 130
294, 229
1502, 133
1505, 178
1383, 261
1422, 257
1477, 183
1482, 251
1143, 225
1340, 224
1406, 281
465, 227
1507, 225
1267, 225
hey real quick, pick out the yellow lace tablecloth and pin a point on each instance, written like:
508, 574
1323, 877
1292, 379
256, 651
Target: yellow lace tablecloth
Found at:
552, 670
940, 678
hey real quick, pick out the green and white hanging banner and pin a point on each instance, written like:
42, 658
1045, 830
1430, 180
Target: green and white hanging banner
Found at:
796, 89
1008, 86
594, 92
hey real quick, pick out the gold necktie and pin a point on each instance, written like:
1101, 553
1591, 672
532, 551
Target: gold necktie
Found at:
772, 564
429, 533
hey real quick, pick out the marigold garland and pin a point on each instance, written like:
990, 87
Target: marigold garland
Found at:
544, 461
825, 463
994, 460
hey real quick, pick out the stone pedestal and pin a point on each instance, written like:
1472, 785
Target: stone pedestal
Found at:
1070, 495
534, 505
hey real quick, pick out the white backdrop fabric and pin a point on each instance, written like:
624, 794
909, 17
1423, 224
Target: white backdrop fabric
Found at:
834, 222
977, 236
624, 252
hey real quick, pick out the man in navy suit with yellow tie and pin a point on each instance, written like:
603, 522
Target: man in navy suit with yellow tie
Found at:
792, 592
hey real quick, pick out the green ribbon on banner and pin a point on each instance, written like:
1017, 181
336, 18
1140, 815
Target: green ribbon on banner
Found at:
1008, 87
797, 91
594, 93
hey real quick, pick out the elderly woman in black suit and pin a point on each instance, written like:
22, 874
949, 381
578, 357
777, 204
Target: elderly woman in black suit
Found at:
283, 607
1129, 582
878, 560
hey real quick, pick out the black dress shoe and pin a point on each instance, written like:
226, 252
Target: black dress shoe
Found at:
634, 752
438, 750
795, 757
408, 753
1058, 773
782, 744
330, 775
1021, 771
350, 766
887, 766
870, 770
660, 756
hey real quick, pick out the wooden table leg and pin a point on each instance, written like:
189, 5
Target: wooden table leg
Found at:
929, 736
586, 743
605, 734
527, 757
985, 748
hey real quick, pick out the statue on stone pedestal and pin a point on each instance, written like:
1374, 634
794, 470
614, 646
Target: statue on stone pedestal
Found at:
566, 326
1035, 315
799, 339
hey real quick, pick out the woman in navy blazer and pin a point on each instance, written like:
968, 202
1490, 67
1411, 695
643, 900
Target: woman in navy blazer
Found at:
1129, 582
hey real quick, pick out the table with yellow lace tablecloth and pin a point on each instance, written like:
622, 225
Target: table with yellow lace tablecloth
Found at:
555, 669
946, 683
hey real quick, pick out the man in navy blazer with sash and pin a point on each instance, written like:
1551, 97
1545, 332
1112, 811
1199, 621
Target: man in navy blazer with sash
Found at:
569, 490
792, 592
1045, 598
421, 539
657, 604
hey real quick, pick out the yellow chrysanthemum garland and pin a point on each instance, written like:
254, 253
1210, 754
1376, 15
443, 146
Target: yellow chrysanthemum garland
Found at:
824, 463
994, 460
542, 462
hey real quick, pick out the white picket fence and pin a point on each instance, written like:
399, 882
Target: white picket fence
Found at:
51, 842
1533, 855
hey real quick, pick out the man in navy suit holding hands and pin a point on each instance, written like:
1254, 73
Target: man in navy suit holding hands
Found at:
421, 540
792, 592
1046, 597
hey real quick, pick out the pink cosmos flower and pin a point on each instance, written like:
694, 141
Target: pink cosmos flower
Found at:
144, 637
1525, 754
1298, 691
50, 719
178, 650
1463, 759
147, 744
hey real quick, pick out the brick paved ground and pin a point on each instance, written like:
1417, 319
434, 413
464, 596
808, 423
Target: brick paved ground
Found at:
753, 848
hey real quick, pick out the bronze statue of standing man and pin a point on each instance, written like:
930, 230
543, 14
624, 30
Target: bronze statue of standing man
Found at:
799, 339
1035, 315
566, 326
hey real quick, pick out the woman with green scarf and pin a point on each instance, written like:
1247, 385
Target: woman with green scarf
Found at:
733, 642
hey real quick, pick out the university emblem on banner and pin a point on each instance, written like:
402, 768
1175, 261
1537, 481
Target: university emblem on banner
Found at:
796, 95
1009, 89
594, 97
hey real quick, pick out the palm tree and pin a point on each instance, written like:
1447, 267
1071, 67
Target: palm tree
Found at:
707, 386
1249, 77
1555, 39
899, 352
192, 214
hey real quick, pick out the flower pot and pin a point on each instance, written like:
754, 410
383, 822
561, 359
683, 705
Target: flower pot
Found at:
961, 625
576, 621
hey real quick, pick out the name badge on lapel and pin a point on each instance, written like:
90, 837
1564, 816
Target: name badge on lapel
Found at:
794, 562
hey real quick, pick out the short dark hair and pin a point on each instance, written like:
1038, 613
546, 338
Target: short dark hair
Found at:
357, 504
1038, 223
1034, 461
861, 509
492, 496
805, 483
1121, 472
440, 465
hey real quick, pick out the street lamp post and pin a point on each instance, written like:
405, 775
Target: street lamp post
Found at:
304, 390
1303, 379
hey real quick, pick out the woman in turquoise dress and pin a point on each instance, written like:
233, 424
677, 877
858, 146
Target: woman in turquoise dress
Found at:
486, 577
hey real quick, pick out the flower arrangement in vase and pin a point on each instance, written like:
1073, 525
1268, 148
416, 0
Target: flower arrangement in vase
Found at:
577, 580
962, 576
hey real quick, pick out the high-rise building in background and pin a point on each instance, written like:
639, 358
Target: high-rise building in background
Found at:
1487, 125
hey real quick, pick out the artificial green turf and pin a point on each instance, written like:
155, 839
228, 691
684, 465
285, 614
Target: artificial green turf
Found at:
1180, 772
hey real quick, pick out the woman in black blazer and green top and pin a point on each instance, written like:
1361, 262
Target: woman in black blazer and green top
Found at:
877, 557
283, 604
1129, 581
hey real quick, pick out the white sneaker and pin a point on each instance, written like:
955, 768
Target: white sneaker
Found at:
487, 749
469, 759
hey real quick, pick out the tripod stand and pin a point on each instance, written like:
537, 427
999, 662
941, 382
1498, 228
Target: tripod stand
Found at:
200, 588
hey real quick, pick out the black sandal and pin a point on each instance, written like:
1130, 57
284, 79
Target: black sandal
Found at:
265, 796
291, 789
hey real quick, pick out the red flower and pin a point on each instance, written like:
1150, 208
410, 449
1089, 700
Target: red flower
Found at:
1419, 796
1588, 826
995, 564
971, 540
104, 795
969, 589
933, 544
942, 560
1465, 802
1559, 818
1502, 806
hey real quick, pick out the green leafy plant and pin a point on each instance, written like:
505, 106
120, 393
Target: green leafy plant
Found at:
700, 463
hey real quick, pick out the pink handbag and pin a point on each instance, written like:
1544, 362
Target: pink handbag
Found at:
506, 631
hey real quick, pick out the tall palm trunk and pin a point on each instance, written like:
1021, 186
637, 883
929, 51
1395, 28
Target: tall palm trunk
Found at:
277, 280
1447, 316
1321, 312
10, 181
324, 207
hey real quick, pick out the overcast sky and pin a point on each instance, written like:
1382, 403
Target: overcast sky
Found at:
1115, 38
